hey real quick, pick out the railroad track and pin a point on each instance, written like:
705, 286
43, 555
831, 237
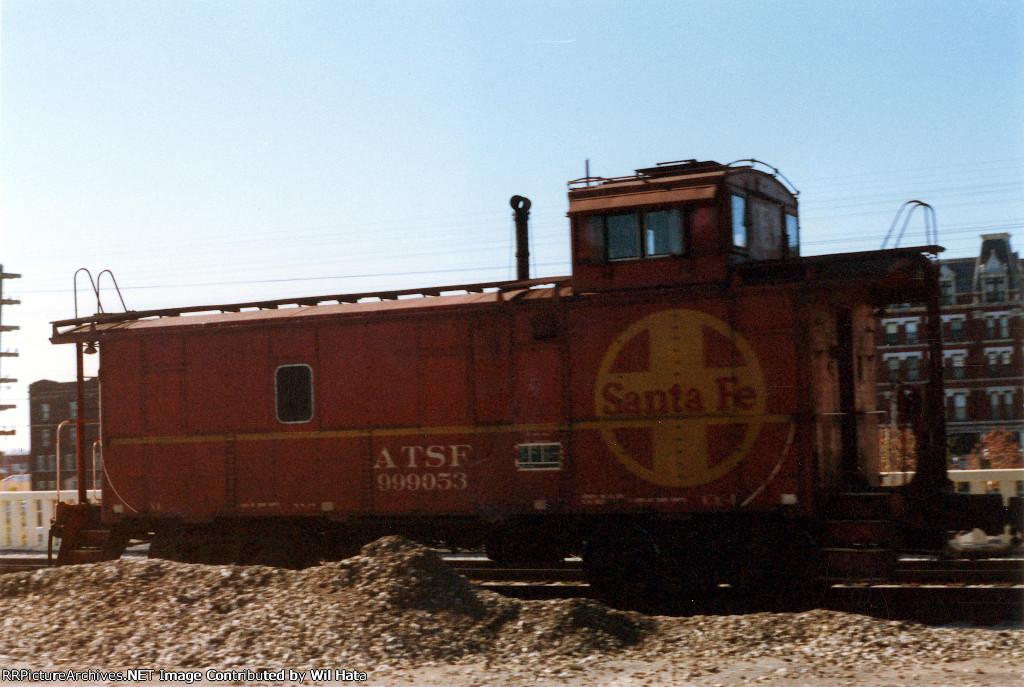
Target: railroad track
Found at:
909, 571
983, 591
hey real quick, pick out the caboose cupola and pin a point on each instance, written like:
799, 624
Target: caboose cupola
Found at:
678, 222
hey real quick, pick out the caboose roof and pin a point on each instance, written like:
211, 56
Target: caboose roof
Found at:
672, 182
228, 314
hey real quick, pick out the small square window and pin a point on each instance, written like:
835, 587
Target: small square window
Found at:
293, 387
539, 456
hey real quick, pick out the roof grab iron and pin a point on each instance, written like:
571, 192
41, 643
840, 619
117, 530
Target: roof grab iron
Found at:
931, 229
773, 170
95, 284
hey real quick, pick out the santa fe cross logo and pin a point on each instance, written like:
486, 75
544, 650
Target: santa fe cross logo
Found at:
681, 398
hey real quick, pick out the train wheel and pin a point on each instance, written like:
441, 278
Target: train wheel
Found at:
623, 565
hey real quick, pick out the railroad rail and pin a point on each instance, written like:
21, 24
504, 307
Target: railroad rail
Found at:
909, 570
929, 589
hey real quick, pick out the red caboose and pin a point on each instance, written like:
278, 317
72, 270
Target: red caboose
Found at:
694, 394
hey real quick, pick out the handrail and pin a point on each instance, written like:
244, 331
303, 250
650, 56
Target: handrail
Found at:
931, 229
95, 290
57, 465
117, 288
774, 172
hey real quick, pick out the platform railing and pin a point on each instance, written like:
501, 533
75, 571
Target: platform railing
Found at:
1006, 483
25, 516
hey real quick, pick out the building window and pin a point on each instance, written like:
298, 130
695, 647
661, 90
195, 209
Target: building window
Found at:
46, 437
894, 369
73, 410
539, 456
960, 407
293, 389
996, 405
1004, 327
44, 411
957, 370
995, 289
892, 334
913, 369
990, 327
956, 329
911, 332
998, 363
948, 292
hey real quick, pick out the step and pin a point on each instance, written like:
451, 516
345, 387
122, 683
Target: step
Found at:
93, 537
859, 506
850, 533
86, 556
856, 563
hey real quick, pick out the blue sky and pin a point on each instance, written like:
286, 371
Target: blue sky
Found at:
211, 152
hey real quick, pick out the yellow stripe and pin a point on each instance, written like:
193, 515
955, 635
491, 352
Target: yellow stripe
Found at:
627, 422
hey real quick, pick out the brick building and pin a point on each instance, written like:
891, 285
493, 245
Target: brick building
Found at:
50, 404
982, 352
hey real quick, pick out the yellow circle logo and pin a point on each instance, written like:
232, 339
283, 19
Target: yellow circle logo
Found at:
681, 398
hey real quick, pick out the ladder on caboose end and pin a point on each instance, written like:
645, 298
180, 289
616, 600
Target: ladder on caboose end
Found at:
858, 538
79, 526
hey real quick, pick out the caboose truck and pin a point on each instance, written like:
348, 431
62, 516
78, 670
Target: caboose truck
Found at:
694, 405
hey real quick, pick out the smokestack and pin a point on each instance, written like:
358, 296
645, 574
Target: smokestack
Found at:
521, 207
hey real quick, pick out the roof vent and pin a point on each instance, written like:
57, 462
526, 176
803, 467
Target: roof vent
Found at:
664, 169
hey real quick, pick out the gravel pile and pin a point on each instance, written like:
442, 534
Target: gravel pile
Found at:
399, 605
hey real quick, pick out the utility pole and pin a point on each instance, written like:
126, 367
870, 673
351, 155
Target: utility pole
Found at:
5, 353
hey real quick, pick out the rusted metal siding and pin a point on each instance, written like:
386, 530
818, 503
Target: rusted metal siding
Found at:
423, 415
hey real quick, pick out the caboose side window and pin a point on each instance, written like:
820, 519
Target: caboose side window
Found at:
793, 234
623, 236
630, 236
739, 221
539, 456
293, 390
664, 232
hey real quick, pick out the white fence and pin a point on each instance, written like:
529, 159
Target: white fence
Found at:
1005, 482
25, 516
